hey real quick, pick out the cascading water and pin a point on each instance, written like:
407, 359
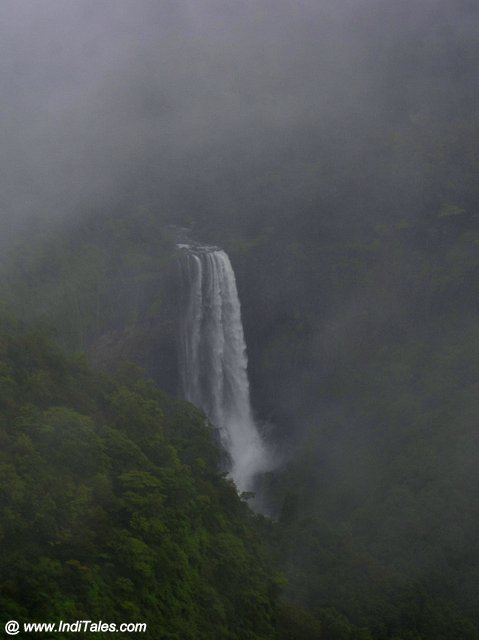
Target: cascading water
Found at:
213, 361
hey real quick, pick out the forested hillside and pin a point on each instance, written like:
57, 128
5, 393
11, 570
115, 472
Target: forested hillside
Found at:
331, 148
369, 374
112, 509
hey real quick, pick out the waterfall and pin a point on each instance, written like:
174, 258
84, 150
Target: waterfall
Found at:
213, 361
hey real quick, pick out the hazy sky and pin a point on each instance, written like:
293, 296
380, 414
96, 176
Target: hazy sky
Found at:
94, 91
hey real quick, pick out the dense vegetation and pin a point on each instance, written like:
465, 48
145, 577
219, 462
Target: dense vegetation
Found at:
354, 233
111, 507
362, 319
372, 382
378, 504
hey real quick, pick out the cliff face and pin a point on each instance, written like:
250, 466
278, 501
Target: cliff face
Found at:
151, 344
107, 288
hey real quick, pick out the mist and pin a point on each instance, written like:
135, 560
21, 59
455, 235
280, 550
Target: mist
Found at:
105, 101
326, 152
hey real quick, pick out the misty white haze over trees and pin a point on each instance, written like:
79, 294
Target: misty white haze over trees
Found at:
319, 161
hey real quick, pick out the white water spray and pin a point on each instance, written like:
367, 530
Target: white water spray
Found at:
213, 362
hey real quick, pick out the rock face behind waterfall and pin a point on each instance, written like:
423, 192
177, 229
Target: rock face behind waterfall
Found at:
213, 361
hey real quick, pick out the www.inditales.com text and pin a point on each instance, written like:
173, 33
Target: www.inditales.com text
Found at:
13, 628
